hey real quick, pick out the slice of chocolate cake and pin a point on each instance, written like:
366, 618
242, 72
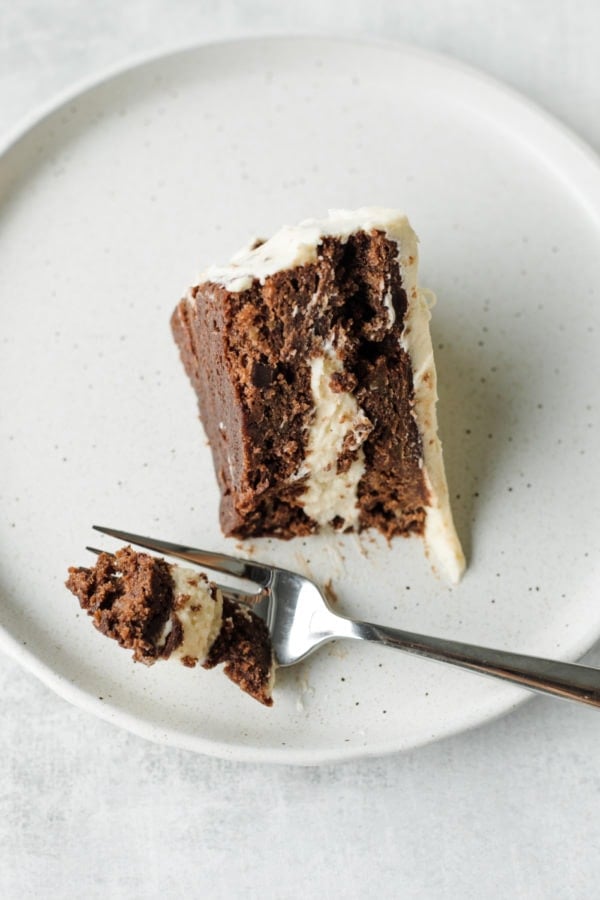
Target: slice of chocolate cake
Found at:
164, 611
312, 361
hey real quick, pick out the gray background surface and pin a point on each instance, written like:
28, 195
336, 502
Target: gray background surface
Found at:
508, 810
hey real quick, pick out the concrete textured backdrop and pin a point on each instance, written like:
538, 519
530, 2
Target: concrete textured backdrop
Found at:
508, 810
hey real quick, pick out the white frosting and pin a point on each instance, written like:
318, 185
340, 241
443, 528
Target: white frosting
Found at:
297, 245
387, 302
337, 421
199, 613
337, 415
440, 535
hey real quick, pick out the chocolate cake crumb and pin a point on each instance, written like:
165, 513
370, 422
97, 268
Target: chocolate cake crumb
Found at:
128, 597
244, 646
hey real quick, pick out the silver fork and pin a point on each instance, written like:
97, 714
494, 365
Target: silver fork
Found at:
300, 620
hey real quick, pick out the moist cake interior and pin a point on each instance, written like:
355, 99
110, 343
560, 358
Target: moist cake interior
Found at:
164, 611
311, 358
256, 419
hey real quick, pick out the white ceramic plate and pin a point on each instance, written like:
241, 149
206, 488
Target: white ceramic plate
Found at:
117, 197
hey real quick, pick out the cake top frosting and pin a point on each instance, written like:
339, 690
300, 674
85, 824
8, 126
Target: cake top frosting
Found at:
297, 245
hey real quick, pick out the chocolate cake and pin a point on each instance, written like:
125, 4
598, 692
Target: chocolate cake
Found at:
164, 611
312, 361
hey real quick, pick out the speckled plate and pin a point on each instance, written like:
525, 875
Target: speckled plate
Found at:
115, 198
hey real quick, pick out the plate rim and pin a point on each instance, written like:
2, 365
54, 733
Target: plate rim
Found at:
495, 704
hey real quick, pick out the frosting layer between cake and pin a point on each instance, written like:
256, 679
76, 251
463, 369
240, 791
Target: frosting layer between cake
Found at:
338, 424
341, 473
164, 611
198, 613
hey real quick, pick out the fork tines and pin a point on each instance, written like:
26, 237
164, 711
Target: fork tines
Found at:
220, 562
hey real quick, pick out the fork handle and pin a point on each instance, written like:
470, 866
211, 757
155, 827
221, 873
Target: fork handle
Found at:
570, 681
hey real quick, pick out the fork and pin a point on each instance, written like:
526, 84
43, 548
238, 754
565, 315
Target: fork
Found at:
300, 620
